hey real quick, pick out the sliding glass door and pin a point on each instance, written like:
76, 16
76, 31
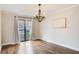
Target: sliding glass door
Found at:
24, 30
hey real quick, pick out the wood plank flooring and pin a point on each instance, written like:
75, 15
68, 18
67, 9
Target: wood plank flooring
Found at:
36, 47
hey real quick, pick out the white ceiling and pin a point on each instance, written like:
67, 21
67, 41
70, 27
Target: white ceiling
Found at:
31, 9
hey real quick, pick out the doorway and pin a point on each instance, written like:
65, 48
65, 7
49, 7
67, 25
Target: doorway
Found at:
24, 30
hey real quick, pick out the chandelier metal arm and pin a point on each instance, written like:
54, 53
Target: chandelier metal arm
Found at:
39, 17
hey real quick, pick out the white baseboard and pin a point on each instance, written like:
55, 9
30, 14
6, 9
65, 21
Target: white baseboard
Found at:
76, 49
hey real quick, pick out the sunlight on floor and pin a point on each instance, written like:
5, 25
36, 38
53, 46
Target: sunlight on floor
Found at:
25, 48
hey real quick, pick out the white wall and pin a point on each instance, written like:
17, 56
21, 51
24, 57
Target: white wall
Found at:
8, 29
35, 30
68, 37
0, 31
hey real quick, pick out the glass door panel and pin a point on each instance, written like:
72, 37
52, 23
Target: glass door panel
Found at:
21, 30
28, 30
24, 30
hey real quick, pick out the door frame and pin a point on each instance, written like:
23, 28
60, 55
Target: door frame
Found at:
16, 29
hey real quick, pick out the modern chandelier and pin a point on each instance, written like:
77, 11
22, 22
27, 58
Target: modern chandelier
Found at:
39, 16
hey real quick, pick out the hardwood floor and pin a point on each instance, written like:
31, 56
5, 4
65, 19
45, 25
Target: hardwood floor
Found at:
36, 47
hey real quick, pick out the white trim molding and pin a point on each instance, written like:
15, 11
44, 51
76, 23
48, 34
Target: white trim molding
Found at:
76, 49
